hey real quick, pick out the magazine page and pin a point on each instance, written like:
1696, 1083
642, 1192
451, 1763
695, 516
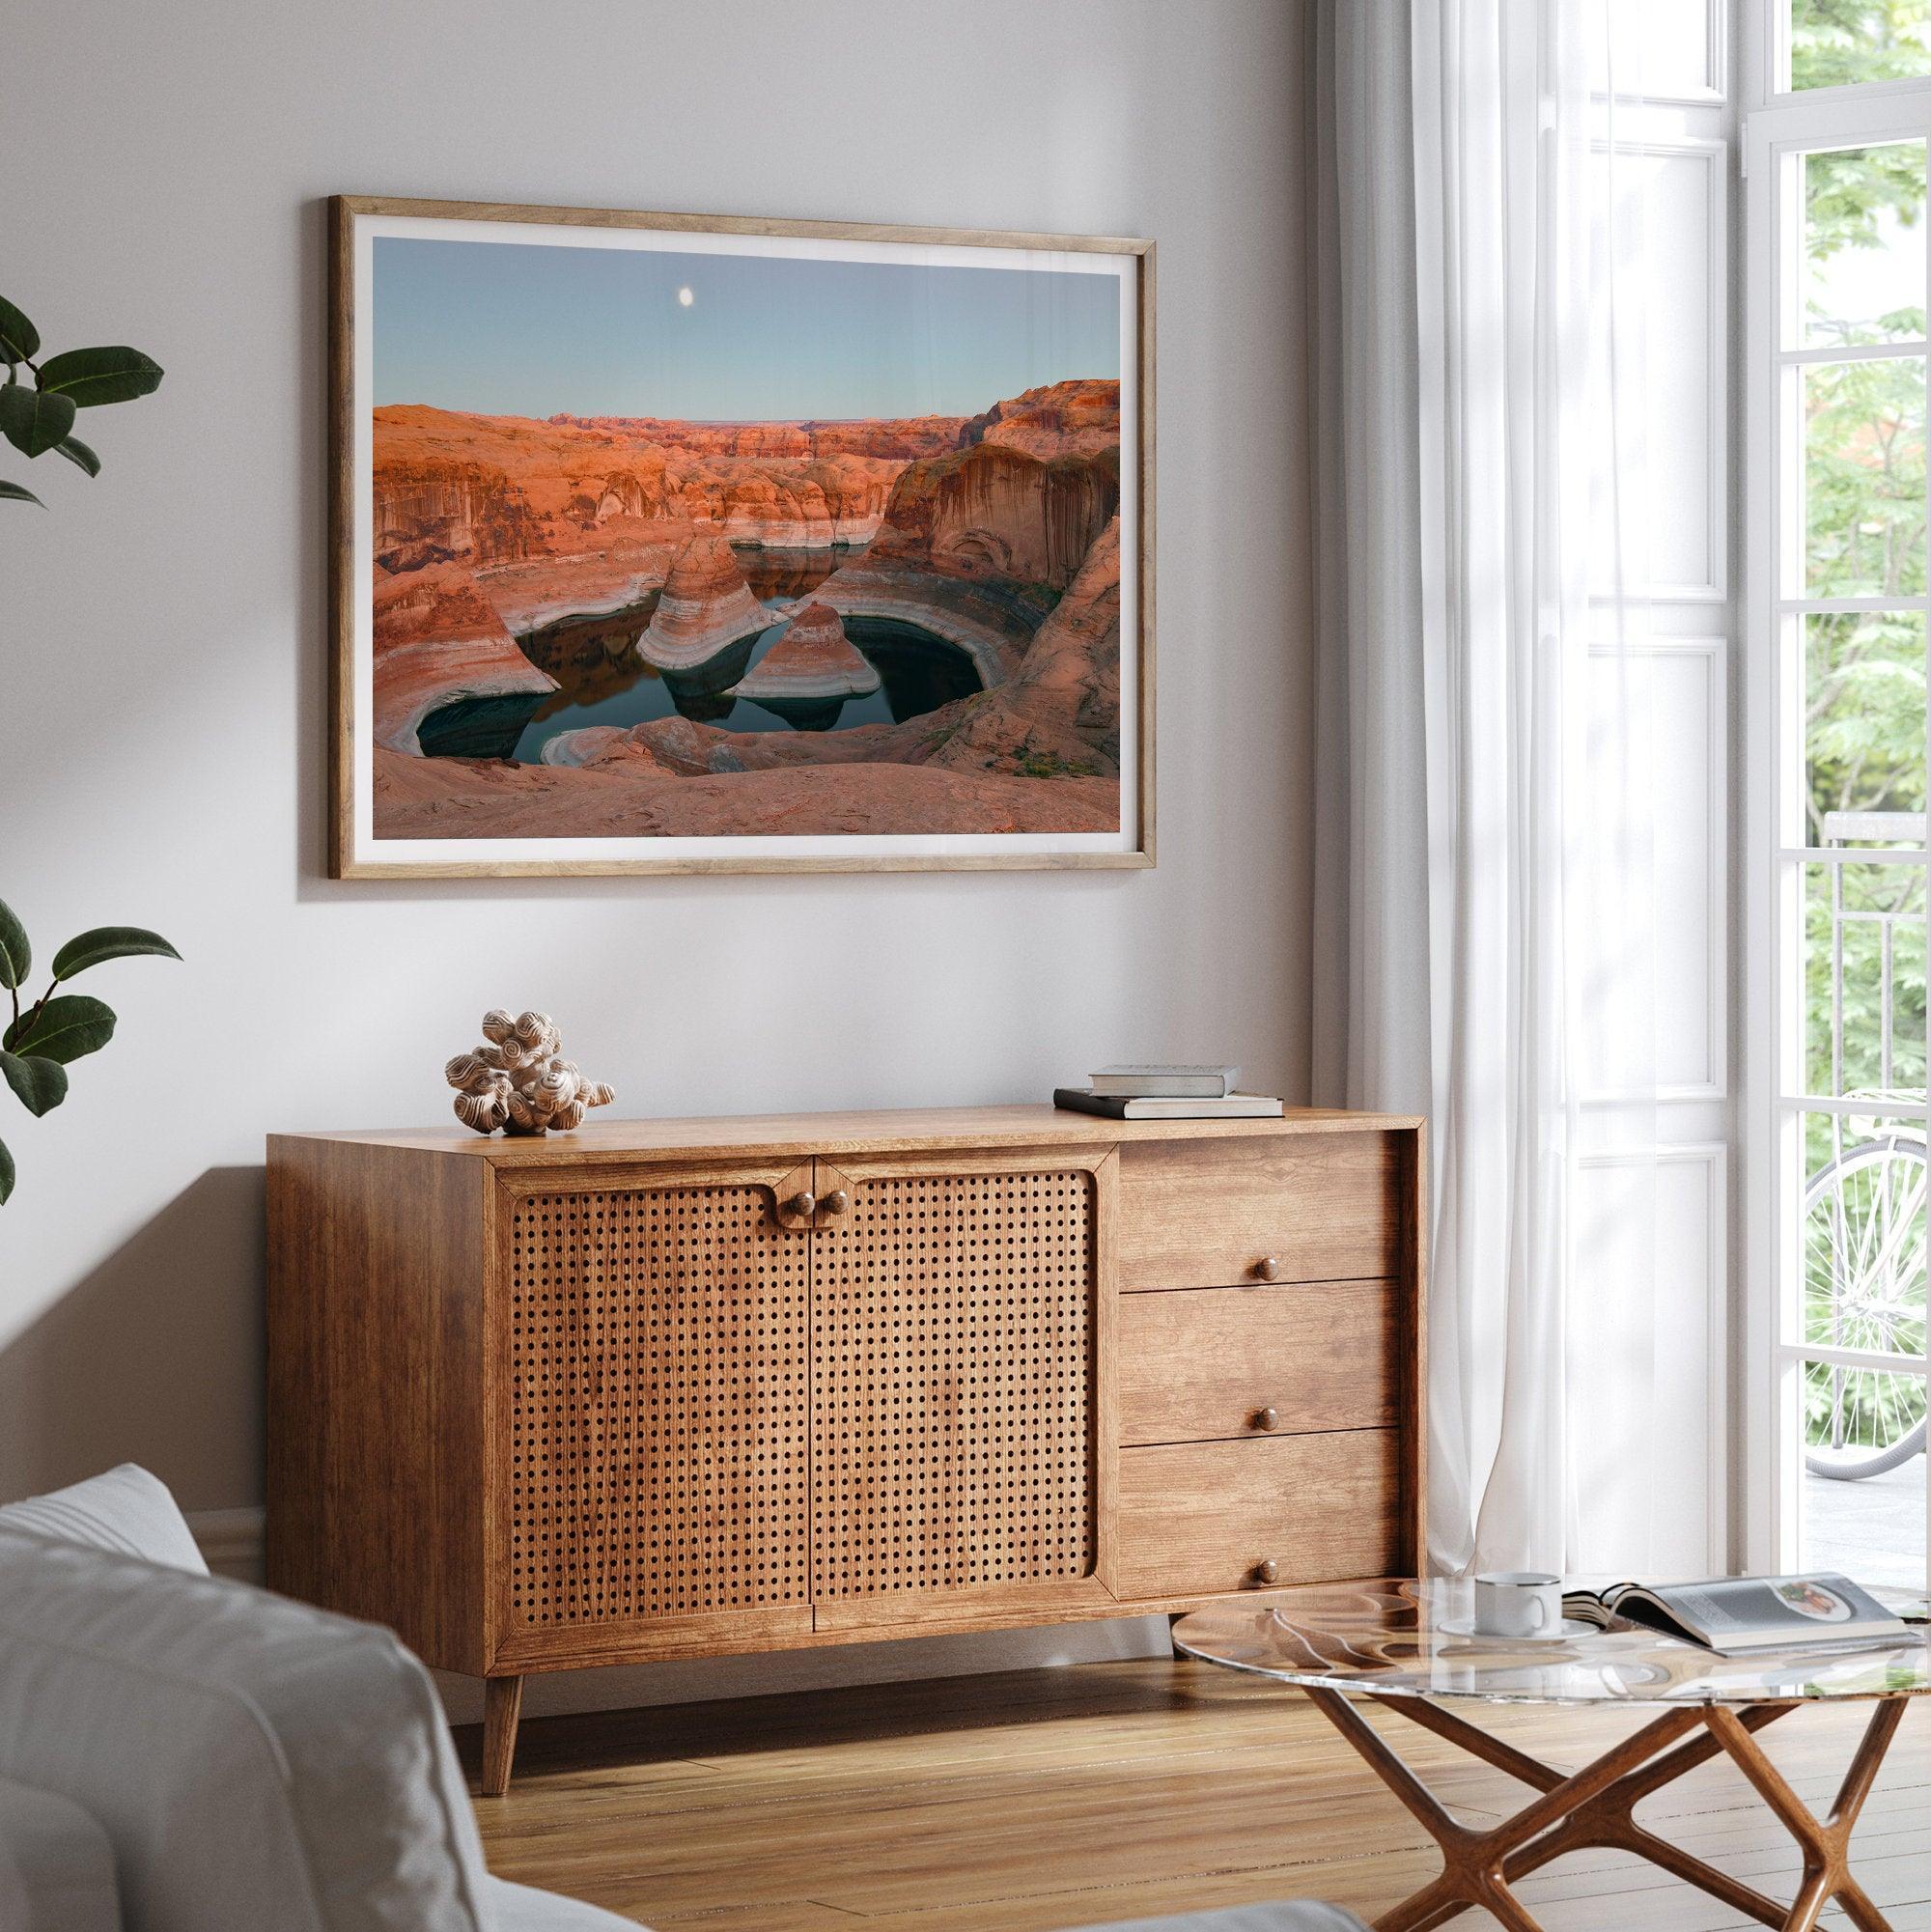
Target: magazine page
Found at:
1793, 1609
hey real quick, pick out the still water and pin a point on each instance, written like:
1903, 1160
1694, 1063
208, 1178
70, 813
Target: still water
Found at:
603, 681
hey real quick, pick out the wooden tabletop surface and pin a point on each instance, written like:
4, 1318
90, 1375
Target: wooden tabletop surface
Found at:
881, 1129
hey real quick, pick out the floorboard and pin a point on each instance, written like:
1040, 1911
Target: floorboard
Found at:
1050, 1799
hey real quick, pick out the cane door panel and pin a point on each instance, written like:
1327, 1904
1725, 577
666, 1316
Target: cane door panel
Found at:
657, 1404
956, 1391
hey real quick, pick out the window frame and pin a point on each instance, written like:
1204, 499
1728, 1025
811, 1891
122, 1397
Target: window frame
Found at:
1779, 126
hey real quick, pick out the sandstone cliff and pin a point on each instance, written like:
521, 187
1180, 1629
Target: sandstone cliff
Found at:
1078, 418
896, 438
994, 510
976, 545
490, 488
446, 668
1060, 713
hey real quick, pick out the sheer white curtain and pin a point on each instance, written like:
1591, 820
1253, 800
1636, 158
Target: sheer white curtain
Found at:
1481, 872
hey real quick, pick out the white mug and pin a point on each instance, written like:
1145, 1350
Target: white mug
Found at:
1518, 1603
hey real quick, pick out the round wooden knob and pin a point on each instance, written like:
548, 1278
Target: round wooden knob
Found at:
1268, 1268
836, 1201
1268, 1418
1267, 1570
803, 1205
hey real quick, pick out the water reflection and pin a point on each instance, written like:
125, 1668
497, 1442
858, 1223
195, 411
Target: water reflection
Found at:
603, 681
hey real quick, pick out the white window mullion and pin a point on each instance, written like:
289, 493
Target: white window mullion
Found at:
1834, 1178
1864, 351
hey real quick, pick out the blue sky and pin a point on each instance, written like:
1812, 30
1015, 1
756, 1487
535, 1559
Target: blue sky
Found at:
509, 329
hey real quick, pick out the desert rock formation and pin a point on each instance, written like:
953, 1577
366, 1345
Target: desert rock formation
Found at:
806, 676
500, 488
1060, 713
1062, 419
706, 614
444, 658
504, 546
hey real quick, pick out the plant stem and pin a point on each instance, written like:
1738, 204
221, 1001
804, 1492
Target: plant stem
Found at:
33, 1011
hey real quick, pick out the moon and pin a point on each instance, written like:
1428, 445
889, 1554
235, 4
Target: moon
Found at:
685, 297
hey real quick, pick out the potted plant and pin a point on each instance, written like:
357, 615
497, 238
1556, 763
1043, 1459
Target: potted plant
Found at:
46, 1035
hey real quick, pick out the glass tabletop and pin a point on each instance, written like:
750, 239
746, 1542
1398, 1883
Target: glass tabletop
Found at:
1403, 1638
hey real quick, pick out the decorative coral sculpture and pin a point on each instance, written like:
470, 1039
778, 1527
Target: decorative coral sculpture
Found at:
519, 1079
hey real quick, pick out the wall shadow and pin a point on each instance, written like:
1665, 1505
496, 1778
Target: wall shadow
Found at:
155, 1358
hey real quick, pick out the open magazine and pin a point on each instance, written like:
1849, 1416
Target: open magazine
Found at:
1736, 1617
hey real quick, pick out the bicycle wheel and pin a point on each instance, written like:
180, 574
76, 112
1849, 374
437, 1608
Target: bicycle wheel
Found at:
1863, 1288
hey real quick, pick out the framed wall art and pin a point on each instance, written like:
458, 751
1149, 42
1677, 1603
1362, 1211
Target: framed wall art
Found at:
676, 544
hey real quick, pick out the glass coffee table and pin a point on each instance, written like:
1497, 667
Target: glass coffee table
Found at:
1409, 1647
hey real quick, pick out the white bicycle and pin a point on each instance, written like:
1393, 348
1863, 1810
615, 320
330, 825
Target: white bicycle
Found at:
1864, 1289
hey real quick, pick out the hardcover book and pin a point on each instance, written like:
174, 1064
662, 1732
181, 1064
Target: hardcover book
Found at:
1168, 1106
1173, 1081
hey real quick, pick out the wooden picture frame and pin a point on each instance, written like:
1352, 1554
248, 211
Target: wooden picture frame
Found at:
503, 531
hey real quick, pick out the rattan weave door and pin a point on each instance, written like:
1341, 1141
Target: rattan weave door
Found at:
657, 1406
955, 1386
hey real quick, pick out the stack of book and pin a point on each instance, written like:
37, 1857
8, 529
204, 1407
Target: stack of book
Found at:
1166, 1093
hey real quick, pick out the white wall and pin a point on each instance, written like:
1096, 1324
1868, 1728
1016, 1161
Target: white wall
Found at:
163, 628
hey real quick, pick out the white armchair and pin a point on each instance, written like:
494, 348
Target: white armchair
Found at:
183, 1754
251, 1762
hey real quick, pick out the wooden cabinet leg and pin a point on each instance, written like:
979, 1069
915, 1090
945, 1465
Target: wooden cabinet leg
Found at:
502, 1706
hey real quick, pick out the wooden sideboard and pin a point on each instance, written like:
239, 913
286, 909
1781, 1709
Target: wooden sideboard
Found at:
682, 1387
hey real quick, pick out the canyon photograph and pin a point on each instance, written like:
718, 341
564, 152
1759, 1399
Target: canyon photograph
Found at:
741, 552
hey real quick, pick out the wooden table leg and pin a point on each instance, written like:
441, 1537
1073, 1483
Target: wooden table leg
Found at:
1609, 1821
1826, 1844
1595, 1806
502, 1706
1474, 1863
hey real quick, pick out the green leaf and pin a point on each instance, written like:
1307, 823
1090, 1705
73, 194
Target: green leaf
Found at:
19, 342
63, 1029
16, 956
34, 420
92, 376
6, 1174
41, 1083
77, 452
108, 943
12, 492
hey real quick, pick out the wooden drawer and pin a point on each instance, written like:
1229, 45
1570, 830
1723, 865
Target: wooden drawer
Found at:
1198, 1363
1309, 1207
1197, 1519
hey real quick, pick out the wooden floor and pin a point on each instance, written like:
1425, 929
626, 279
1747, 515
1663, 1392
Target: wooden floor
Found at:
1063, 1798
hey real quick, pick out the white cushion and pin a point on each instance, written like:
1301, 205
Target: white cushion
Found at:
255, 1763
518, 1908
56, 1865
125, 1509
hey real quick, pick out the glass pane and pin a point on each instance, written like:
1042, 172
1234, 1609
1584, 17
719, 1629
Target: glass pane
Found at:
1865, 1252
1864, 729
1862, 1507
1864, 981
1864, 245
1841, 43
1864, 478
